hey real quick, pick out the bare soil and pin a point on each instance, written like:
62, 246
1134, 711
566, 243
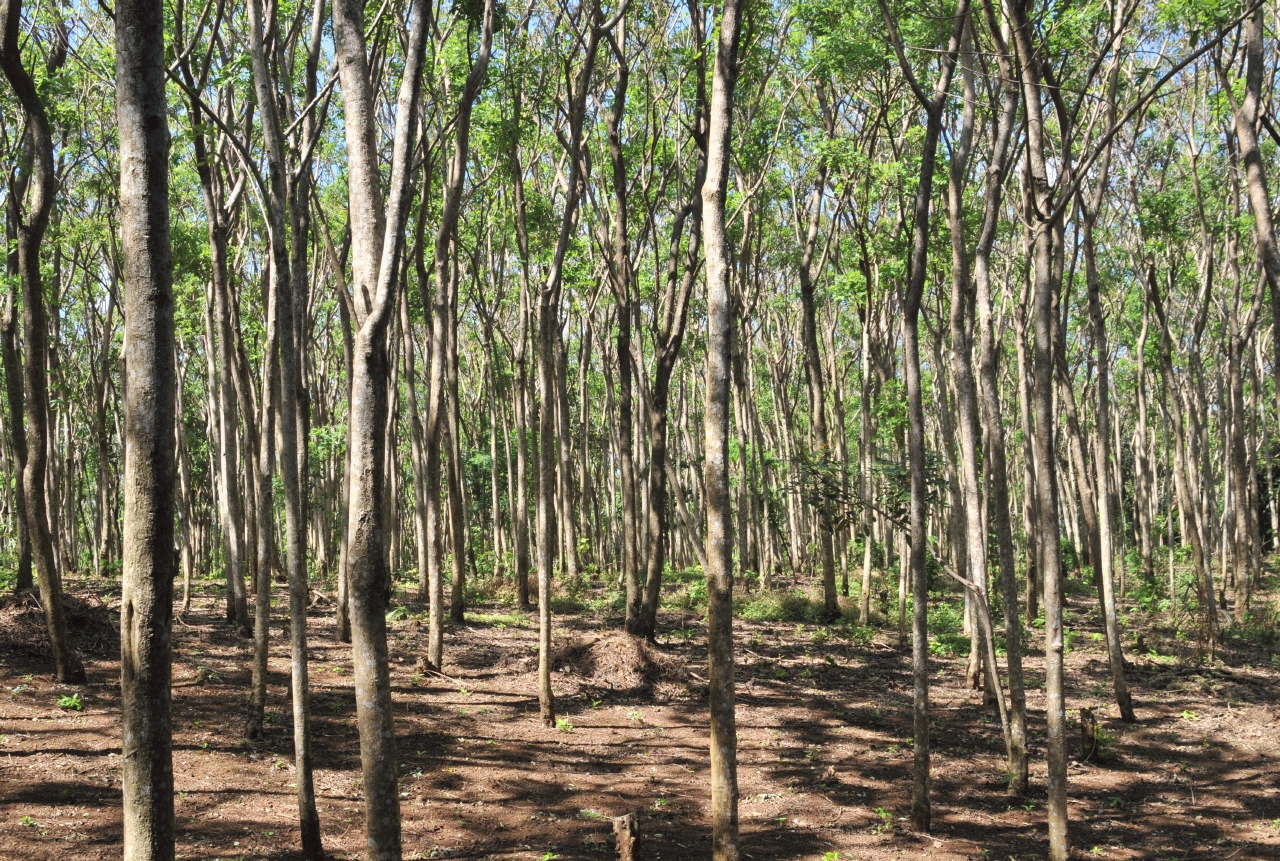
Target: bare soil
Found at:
824, 734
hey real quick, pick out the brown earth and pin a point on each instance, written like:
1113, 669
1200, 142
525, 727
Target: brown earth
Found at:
824, 730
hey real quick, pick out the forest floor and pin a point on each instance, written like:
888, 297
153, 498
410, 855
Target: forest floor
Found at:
824, 746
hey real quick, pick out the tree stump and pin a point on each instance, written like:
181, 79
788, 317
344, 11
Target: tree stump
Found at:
1088, 735
626, 833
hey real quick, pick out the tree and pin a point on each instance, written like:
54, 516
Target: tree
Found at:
724, 732
146, 608
917, 272
40, 187
377, 224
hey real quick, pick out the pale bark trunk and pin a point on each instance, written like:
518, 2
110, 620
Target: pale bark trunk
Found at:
989, 391
1246, 121
1046, 286
377, 224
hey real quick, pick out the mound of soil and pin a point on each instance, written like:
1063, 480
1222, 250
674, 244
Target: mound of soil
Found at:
620, 664
89, 625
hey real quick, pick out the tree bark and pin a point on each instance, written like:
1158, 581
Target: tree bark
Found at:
288, 381
988, 359
377, 226
1045, 292
918, 523
443, 375
146, 608
548, 347
31, 230
724, 733
14, 396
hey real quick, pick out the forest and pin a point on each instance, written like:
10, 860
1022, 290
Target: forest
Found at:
583, 429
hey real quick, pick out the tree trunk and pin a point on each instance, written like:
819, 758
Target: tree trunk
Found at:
377, 227
1046, 289
724, 733
989, 391
35, 324
917, 274
146, 608
288, 382
14, 396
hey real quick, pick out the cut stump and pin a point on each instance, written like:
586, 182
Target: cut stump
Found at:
626, 833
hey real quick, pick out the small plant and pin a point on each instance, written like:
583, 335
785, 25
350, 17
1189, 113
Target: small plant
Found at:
1190, 715
71, 703
886, 822
29, 822
806, 673
831, 856
588, 813
550, 856
780, 673
595, 704
564, 725
637, 716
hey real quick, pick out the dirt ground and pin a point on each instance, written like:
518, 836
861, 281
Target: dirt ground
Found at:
824, 734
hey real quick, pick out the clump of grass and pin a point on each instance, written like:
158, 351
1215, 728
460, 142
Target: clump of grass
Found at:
779, 607
500, 620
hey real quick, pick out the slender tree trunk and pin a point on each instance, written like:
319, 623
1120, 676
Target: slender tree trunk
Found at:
1245, 126
377, 227
620, 272
17, 421
724, 732
146, 609
989, 391
548, 347
1106, 542
970, 437
458, 527
668, 339
443, 379
918, 526
1046, 286
288, 380
31, 230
